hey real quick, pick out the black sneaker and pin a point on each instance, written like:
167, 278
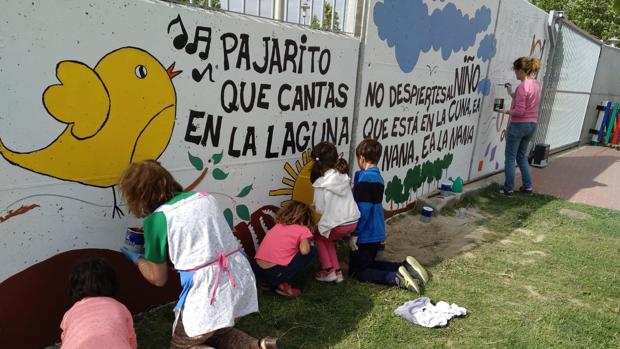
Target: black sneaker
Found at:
505, 192
406, 281
525, 190
416, 269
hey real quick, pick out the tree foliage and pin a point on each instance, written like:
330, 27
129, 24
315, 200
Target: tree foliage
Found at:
326, 23
597, 17
399, 191
214, 4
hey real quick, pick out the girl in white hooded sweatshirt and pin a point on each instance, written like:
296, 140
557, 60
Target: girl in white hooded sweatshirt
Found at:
333, 199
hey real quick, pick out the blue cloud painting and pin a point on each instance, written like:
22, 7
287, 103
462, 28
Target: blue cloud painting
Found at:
407, 26
487, 48
484, 87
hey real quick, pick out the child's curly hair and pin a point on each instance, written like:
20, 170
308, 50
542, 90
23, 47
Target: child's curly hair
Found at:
146, 186
295, 212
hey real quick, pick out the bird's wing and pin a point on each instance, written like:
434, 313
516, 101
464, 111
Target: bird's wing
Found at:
81, 99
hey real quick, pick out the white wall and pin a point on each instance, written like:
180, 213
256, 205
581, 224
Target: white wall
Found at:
521, 31
258, 148
51, 203
422, 45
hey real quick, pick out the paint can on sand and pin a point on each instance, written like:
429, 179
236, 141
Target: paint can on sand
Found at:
134, 240
427, 213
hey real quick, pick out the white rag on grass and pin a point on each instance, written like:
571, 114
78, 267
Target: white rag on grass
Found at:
422, 312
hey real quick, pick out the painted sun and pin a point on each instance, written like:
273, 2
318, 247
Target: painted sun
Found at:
298, 184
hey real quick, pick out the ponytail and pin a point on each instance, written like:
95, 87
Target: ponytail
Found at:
529, 65
325, 158
342, 165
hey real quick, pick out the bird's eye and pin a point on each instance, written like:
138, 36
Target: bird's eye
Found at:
141, 72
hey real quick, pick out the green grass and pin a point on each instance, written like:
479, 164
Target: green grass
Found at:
544, 280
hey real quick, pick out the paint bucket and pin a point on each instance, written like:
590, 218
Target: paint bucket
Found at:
498, 104
462, 213
446, 188
134, 240
427, 213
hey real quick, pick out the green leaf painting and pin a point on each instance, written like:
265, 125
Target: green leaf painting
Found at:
229, 217
243, 212
219, 174
195, 161
216, 158
245, 191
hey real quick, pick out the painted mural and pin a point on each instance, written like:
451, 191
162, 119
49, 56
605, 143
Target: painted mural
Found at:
119, 112
423, 83
230, 104
512, 42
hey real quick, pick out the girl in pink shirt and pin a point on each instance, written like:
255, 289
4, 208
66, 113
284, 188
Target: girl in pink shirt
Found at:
96, 320
523, 121
285, 250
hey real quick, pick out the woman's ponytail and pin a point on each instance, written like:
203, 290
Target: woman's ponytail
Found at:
529, 65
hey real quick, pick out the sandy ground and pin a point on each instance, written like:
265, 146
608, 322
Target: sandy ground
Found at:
444, 237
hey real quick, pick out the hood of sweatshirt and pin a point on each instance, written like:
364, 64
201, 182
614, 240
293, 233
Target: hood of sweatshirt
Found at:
334, 181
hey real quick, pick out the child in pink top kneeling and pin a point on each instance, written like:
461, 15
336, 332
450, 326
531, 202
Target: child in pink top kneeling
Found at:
285, 250
96, 320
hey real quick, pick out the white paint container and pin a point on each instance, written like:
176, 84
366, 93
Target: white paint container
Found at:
134, 240
445, 188
427, 213
462, 213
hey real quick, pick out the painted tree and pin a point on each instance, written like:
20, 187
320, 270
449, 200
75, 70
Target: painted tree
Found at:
447, 161
596, 17
412, 181
417, 182
398, 188
390, 191
437, 170
427, 173
326, 23
408, 183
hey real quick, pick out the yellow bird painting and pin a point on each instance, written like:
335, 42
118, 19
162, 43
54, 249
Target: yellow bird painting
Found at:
120, 112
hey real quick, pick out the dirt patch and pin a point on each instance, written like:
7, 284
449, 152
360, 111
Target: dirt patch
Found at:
578, 303
523, 231
526, 261
535, 253
574, 214
533, 292
444, 237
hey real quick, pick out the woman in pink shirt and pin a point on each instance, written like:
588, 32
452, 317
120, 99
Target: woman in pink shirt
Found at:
523, 121
285, 250
96, 320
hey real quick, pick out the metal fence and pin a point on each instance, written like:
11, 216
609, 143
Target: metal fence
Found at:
330, 15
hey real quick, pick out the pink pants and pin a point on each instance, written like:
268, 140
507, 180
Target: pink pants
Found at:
327, 248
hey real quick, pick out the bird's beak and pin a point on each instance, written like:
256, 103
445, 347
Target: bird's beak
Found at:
171, 72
